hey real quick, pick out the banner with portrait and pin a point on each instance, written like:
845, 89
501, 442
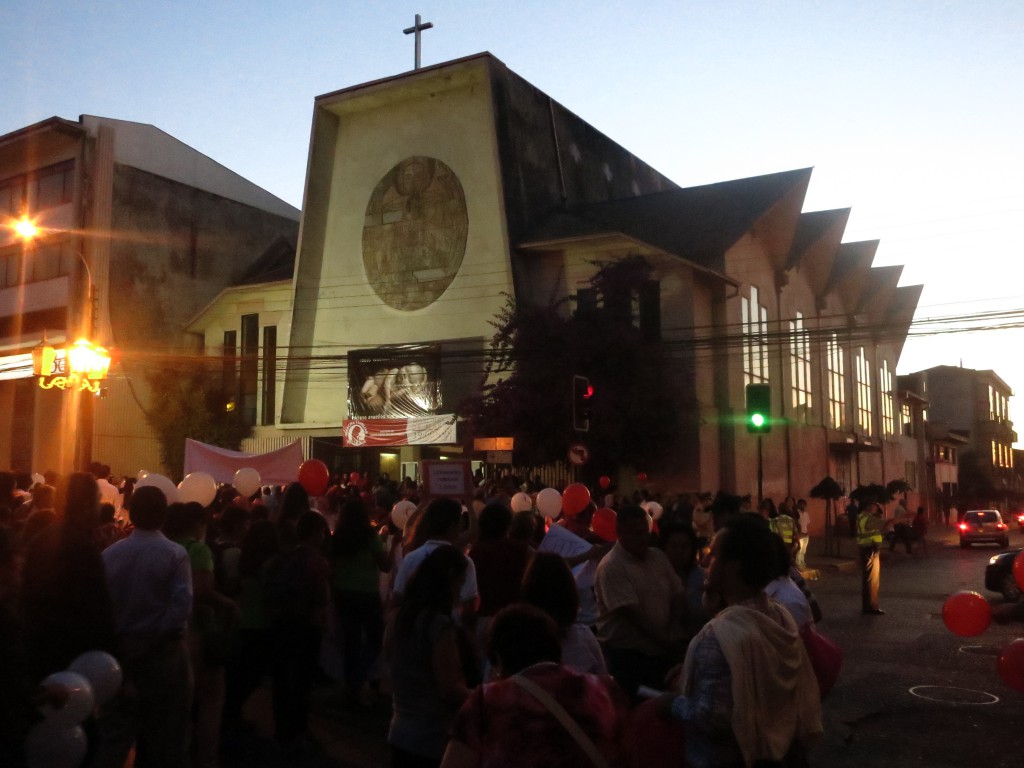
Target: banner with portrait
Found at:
397, 382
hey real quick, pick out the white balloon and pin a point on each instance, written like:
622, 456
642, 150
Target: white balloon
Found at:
102, 671
522, 502
199, 487
50, 746
80, 702
165, 484
654, 509
401, 512
549, 502
247, 481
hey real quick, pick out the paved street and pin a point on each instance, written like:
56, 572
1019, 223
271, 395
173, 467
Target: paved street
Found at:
910, 693
878, 714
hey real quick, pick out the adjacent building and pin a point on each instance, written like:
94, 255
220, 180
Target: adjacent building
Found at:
970, 434
138, 232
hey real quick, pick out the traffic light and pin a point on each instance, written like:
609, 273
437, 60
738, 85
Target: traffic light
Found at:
582, 397
759, 408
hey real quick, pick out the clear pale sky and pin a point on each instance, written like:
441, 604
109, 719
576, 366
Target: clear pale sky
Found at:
911, 112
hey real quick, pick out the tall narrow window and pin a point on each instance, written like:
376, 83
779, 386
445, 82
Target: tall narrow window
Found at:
907, 419
649, 311
754, 320
269, 375
229, 369
586, 302
885, 392
248, 383
800, 367
836, 384
863, 371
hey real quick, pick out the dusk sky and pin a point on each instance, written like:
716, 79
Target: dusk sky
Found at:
911, 112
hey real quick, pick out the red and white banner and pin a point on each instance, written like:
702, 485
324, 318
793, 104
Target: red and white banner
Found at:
278, 467
425, 430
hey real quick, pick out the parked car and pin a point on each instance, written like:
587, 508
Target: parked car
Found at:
1018, 515
999, 576
983, 525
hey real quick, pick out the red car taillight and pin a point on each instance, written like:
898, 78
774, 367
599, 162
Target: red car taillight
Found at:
1001, 526
963, 526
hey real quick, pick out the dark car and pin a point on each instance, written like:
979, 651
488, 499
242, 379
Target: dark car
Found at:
1018, 516
979, 526
999, 576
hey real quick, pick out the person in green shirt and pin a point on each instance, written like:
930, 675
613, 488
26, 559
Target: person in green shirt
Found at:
357, 559
213, 617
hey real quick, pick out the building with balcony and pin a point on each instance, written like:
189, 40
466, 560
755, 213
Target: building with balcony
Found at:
969, 426
138, 232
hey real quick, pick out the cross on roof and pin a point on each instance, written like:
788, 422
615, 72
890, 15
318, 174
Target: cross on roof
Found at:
415, 29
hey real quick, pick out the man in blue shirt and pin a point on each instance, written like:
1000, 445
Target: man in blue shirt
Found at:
150, 581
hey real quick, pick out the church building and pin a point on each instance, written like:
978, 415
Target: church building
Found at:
432, 195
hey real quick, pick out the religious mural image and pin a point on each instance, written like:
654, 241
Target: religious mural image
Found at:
414, 235
394, 382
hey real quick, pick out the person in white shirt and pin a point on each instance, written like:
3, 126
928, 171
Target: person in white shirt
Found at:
438, 527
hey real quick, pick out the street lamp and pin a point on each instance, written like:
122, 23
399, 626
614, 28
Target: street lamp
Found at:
28, 230
79, 366
83, 364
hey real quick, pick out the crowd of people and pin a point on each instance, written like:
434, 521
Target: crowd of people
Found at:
502, 638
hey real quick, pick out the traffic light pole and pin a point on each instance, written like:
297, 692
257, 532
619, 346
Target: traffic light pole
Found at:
760, 471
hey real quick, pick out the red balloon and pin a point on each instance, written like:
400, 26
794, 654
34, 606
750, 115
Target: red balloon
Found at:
603, 524
966, 614
575, 499
1018, 569
641, 477
1011, 664
314, 477
604, 481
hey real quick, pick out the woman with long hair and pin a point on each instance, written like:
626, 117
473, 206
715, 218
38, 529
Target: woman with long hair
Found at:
357, 559
248, 666
426, 667
65, 602
549, 585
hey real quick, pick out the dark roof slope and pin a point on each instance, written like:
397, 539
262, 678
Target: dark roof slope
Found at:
277, 262
697, 223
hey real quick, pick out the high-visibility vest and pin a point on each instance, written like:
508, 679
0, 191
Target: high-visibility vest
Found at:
784, 526
867, 534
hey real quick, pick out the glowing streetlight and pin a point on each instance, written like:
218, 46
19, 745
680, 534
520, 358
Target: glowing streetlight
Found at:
25, 228
83, 364
28, 230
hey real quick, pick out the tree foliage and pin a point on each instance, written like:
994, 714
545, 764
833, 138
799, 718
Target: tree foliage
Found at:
536, 351
828, 488
190, 401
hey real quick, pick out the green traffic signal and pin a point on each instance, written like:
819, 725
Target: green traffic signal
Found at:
759, 408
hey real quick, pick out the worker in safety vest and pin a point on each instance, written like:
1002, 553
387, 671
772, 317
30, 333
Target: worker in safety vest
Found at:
871, 526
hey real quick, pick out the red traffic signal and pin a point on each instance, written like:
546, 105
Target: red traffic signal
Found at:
582, 397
